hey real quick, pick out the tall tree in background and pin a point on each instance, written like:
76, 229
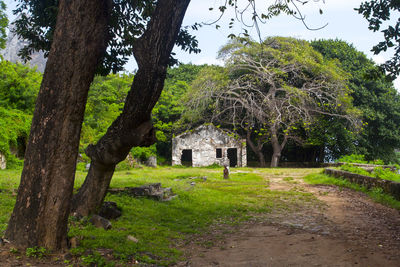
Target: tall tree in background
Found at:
377, 99
379, 13
276, 88
41, 211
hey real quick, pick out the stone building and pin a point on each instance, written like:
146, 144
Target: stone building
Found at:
207, 145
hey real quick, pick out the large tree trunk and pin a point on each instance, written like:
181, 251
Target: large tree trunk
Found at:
41, 211
133, 127
257, 149
276, 147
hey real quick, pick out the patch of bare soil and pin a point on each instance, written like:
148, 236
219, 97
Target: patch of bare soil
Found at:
343, 228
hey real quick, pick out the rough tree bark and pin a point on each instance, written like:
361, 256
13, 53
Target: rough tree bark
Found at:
257, 149
276, 147
133, 127
41, 211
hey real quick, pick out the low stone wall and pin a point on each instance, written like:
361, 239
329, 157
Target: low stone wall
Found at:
368, 166
389, 187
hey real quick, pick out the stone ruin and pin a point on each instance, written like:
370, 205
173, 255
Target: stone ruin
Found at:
3, 162
207, 145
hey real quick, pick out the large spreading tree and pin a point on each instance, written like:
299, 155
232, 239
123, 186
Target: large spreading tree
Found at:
275, 92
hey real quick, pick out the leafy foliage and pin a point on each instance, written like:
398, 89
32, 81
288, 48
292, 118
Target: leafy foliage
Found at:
128, 22
353, 158
377, 99
19, 86
15, 126
378, 172
105, 102
376, 13
275, 91
168, 110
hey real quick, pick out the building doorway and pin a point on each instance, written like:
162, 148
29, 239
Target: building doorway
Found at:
186, 157
232, 156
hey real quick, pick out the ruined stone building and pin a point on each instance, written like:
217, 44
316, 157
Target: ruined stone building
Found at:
207, 145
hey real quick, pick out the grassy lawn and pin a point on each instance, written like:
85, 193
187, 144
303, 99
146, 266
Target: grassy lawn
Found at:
160, 227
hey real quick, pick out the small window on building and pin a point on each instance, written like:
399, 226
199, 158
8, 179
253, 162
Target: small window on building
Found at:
219, 153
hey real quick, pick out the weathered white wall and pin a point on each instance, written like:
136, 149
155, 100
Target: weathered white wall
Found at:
203, 141
3, 163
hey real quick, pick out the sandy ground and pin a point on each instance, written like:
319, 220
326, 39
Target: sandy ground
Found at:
346, 229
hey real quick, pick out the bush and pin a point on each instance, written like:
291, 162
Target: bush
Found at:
15, 127
143, 153
353, 158
356, 158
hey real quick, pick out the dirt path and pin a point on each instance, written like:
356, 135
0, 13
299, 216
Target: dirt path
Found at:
345, 229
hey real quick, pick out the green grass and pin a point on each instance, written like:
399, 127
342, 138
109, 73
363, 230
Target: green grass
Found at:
378, 172
161, 226
9, 180
375, 193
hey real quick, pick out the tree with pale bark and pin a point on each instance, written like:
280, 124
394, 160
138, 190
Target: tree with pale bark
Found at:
276, 91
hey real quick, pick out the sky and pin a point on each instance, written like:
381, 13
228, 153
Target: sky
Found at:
339, 16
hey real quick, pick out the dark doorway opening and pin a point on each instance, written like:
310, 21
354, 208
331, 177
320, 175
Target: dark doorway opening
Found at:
186, 158
218, 152
232, 156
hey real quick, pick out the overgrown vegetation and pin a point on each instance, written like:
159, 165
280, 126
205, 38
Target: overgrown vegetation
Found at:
356, 158
378, 172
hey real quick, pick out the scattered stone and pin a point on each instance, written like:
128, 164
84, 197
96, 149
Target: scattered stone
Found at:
193, 183
132, 238
3, 162
153, 191
226, 172
87, 166
106, 252
204, 178
110, 211
151, 162
99, 221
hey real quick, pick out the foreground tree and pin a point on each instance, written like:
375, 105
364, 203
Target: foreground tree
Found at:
41, 211
377, 12
277, 88
133, 127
